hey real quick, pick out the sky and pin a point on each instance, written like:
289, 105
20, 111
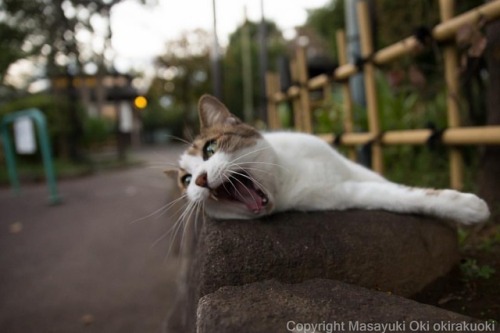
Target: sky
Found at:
140, 32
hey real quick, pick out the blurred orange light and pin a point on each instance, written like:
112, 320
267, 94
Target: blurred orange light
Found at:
140, 102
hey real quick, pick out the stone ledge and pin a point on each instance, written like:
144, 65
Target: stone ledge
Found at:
373, 249
270, 306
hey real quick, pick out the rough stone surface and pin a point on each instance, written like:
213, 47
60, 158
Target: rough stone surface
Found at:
374, 249
377, 250
271, 306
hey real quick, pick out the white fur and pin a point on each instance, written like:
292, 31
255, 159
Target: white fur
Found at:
301, 172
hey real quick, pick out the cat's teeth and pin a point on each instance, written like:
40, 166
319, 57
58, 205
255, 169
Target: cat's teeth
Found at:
214, 197
264, 200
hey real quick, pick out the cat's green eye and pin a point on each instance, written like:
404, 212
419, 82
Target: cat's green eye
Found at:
186, 179
209, 149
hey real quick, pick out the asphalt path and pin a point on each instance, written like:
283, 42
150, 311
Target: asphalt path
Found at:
89, 264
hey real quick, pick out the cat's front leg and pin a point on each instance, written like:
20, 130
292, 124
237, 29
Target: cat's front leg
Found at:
465, 208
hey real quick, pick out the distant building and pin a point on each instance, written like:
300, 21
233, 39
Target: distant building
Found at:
109, 96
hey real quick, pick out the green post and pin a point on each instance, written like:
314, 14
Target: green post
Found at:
10, 159
44, 141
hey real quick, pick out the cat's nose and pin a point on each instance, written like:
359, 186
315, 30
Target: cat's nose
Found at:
201, 180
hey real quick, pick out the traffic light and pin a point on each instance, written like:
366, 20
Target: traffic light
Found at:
140, 102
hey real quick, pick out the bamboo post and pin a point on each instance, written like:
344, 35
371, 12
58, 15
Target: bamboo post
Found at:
272, 110
370, 84
296, 106
303, 76
346, 90
452, 78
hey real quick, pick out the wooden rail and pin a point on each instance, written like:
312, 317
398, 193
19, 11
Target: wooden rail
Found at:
460, 136
454, 135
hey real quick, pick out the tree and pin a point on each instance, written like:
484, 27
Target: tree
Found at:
46, 31
326, 21
233, 62
183, 75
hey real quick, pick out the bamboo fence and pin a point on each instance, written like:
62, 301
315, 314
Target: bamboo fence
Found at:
454, 135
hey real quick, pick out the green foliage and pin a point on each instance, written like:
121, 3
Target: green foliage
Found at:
159, 118
184, 75
326, 21
471, 270
55, 109
408, 108
491, 240
233, 63
463, 235
11, 40
96, 131
46, 29
327, 117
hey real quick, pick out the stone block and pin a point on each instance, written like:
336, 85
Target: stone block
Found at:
321, 306
378, 250
373, 249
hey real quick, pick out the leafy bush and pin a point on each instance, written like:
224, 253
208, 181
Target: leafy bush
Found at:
96, 131
56, 110
159, 118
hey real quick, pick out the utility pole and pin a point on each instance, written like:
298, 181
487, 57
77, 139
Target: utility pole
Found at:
263, 64
246, 60
354, 51
216, 68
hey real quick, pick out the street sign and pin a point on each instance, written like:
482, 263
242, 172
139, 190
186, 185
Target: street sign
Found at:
24, 136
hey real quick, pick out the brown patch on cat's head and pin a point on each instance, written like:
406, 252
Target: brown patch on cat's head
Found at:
172, 173
196, 147
219, 125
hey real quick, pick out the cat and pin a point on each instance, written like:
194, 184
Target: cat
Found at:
233, 171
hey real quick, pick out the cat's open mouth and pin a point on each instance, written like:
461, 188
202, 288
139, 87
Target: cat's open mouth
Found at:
241, 188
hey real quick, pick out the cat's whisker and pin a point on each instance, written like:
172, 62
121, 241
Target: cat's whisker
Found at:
178, 139
187, 223
262, 187
161, 164
161, 160
200, 210
265, 163
163, 209
232, 184
246, 188
181, 221
169, 231
240, 166
251, 152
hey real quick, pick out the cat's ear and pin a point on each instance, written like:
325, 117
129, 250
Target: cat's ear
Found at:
213, 112
172, 173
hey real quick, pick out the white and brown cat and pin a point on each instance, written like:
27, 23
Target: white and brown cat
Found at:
233, 171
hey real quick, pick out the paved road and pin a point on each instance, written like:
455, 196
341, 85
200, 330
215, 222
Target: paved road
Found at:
82, 266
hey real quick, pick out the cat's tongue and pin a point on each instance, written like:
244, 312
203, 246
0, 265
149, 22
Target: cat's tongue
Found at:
249, 197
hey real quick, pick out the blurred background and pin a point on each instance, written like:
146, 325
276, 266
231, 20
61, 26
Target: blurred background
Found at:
118, 82
110, 75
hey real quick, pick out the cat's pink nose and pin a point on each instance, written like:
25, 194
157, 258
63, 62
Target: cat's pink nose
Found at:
201, 180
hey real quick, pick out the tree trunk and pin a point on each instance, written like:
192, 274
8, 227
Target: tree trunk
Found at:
489, 172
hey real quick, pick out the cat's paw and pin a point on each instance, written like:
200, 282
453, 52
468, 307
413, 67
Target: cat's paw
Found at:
469, 209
